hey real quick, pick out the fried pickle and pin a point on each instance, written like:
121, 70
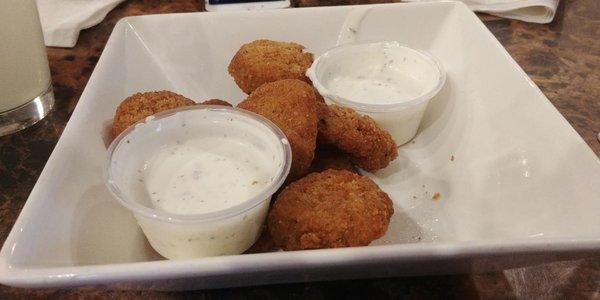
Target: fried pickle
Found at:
264, 61
291, 105
141, 105
331, 209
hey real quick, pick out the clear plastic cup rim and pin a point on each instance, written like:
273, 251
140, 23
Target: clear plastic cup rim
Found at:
311, 73
264, 195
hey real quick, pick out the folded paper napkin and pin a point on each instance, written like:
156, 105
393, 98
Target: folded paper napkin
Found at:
63, 19
535, 11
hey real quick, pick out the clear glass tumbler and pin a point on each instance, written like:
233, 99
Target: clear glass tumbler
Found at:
25, 86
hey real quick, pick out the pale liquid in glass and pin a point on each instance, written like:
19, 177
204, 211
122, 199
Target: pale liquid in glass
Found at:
24, 72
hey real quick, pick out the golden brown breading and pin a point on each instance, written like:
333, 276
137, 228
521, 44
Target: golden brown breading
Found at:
263, 61
217, 102
140, 105
329, 157
291, 105
369, 146
331, 209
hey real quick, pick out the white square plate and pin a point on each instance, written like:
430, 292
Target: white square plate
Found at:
523, 187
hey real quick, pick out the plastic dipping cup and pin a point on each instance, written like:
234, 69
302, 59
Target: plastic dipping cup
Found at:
387, 81
230, 230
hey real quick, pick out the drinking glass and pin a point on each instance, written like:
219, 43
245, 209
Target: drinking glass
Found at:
25, 87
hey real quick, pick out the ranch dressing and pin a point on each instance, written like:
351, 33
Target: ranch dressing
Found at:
207, 174
378, 74
384, 86
389, 82
199, 179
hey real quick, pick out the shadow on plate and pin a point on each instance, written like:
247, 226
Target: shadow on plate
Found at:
104, 232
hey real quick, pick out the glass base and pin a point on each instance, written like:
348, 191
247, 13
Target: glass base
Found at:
27, 114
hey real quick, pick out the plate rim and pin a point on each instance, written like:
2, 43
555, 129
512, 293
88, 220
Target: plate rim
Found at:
14, 275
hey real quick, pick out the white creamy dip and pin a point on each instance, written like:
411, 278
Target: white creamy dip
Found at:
382, 86
390, 82
199, 180
378, 73
206, 174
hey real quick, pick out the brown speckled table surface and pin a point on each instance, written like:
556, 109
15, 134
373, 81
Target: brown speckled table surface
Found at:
563, 58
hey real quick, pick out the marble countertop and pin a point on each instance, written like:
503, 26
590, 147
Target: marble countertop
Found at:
562, 58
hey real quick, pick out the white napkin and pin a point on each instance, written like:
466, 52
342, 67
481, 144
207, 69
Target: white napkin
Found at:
535, 11
63, 19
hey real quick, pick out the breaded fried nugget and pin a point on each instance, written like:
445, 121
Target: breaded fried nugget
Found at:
217, 102
329, 157
331, 209
140, 105
369, 146
291, 105
263, 61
